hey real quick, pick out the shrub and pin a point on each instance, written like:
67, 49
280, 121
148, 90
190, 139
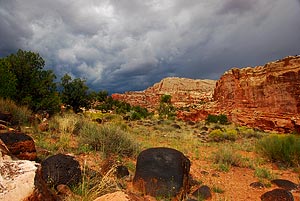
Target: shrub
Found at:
226, 157
263, 173
222, 119
219, 135
216, 135
20, 114
284, 149
231, 134
67, 123
249, 132
110, 139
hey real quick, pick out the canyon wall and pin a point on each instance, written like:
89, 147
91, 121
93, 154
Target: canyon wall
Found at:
266, 97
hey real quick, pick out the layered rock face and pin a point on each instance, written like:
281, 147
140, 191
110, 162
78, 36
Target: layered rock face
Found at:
266, 97
185, 93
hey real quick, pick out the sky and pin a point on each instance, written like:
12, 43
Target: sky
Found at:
128, 45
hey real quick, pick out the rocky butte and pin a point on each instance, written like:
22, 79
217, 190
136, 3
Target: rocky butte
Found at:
265, 97
185, 93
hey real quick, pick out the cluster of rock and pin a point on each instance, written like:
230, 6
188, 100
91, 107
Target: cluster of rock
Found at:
185, 93
265, 97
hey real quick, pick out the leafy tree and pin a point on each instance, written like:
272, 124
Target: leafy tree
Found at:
166, 109
75, 93
8, 80
34, 86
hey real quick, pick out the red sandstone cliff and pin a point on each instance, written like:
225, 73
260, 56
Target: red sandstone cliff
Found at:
185, 93
266, 97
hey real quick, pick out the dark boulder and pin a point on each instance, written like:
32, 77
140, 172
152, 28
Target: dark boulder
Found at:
20, 145
162, 172
61, 169
121, 171
277, 195
285, 184
5, 117
203, 192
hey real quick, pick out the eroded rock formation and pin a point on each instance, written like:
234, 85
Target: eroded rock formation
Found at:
185, 93
266, 97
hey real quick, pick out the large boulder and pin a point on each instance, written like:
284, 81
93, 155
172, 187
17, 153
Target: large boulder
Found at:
61, 169
162, 172
277, 195
20, 145
21, 179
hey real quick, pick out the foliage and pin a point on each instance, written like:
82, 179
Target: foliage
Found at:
166, 110
138, 112
218, 135
8, 80
74, 93
166, 98
30, 84
20, 114
263, 173
221, 119
123, 108
284, 149
249, 132
109, 139
226, 157
94, 186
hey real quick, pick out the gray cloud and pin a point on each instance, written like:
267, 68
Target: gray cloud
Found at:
129, 45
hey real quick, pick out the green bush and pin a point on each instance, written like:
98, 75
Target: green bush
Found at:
263, 173
284, 149
249, 132
109, 139
226, 157
218, 135
21, 115
221, 119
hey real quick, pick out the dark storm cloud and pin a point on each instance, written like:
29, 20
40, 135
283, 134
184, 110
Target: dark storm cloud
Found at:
129, 45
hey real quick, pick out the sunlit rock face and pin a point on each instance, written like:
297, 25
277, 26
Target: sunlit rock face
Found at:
185, 93
266, 97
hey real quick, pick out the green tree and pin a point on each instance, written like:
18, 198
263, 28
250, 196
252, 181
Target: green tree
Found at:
75, 93
8, 80
166, 109
35, 87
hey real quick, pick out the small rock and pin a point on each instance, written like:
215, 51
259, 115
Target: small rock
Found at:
121, 171
204, 172
203, 192
116, 196
258, 185
176, 126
